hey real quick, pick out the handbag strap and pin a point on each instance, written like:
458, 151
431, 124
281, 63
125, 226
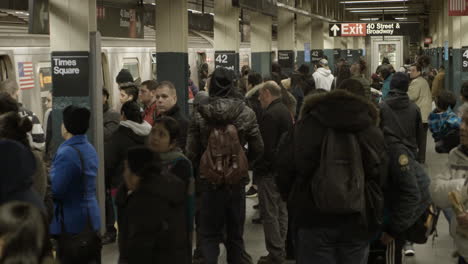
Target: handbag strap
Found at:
84, 181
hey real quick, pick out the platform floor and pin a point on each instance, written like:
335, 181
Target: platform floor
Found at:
438, 252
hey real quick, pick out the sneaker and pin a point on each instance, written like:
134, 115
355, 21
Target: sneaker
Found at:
251, 193
270, 260
409, 249
255, 206
108, 238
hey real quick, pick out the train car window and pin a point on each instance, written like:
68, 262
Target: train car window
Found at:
44, 71
153, 66
5, 68
133, 65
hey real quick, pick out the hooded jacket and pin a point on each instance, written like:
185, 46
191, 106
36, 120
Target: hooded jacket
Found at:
152, 221
111, 120
223, 111
342, 111
420, 93
129, 134
252, 98
323, 79
453, 180
409, 117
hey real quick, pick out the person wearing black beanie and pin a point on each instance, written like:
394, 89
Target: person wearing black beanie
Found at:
73, 177
124, 77
397, 111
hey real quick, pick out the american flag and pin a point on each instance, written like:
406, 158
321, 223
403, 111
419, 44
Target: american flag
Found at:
458, 7
26, 76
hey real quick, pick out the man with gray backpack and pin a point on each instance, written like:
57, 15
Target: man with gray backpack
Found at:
331, 169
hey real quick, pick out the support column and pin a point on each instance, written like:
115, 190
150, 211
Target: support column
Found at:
76, 48
316, 40
226, 30
303, 34
261, 38
172, 47
286, 37
456, 67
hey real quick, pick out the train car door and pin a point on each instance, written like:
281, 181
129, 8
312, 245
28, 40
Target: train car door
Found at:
390, 47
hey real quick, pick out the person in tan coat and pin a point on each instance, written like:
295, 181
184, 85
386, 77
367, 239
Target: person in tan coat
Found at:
438, 85
420, 93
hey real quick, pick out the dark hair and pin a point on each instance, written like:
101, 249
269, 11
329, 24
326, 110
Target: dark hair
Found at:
385, 71
424, 60
14, 127
304, 69
400, 81
445, 100
171, 125
418, 67
442, 67
24, 229
150, 84
362, 65
131, 90
309, 86
245, 70
7, 103
353, 86
254, 78
105, 93
124, 76
464, 90
385, 60
143, 162
344, 72
131, 111
275, 67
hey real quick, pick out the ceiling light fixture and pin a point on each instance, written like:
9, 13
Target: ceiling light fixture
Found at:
379, 11
401, 18
376, 7
370, 19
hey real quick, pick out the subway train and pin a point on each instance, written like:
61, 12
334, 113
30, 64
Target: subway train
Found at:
26, 58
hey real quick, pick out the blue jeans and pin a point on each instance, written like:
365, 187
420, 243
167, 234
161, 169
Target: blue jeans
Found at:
329, 246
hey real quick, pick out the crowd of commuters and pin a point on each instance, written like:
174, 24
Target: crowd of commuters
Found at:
339, 173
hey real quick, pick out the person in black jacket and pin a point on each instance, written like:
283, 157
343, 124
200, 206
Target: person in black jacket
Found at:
399, 114
275, 121
152, 211
166, 102
132, 131
321, 237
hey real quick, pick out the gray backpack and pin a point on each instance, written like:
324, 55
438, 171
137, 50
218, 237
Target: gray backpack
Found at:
338, 185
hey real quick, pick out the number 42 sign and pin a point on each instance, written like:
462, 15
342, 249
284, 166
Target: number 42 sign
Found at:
464, 60
228, 60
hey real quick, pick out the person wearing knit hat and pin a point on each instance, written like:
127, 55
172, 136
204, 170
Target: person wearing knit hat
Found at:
73, 177
397, 104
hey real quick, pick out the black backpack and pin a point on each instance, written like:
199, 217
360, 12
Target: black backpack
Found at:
341, 185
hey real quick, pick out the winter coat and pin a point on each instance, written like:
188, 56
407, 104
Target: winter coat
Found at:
275, 121
175, 113
111, 120
323, 79
67, 186
420, 93
129, 134
40, 176
223, 111
453, 180
409, 117
342, 111
151, 219
16, 180
406, 192
365, 83
438, 84
386, 86
253, 102
37, 132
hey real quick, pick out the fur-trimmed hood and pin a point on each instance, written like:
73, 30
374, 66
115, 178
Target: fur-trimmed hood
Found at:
341, 110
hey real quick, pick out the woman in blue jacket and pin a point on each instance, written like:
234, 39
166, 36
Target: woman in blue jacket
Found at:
76, 206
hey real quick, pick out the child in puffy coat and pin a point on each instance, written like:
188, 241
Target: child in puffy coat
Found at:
455, 180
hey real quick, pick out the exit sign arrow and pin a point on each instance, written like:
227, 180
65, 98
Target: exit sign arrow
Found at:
335, 29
